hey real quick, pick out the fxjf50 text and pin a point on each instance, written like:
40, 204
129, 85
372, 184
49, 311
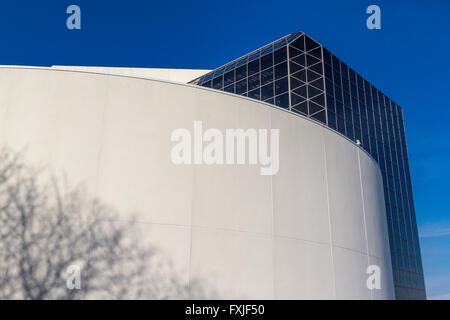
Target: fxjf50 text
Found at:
246, 309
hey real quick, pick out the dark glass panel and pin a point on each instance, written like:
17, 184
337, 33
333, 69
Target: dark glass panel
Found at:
279, 55
281, 86
312, 75
253, 82
295, 83
317, 83
293, 67
359, 81
301, 75
370, 117
253, 67
353, 91
219, 72
254, 94
365, 140
320, 100
280, 70
326, 56
321, 116
279, 44
330, 103
313, 91
340, 125
331, 119
329, 87
218, 82
230, 88
299, 43
296, 99
363, 110
337, 78
310, 43
317, 68
347, 100
301, 91
313, 108
352, 75
356, 119
282, 101
270, 100
241, 86
267, 91
338, 93
293, 52
207, 84
253, 56
316, 53
336, 62
266, 61
228, 78
267, 49
208, 76
344, 70
339, 109
301, 108
293, 36
241, 73
310, 60
299, 60
349, 130
230, 66
241, 61
267, 76
345, 79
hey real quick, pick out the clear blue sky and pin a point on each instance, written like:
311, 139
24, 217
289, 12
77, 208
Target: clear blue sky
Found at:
408, 59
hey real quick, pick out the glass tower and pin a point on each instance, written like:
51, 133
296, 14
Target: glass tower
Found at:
298, 74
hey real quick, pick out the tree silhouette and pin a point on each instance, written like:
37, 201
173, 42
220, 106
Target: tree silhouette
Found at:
46, 227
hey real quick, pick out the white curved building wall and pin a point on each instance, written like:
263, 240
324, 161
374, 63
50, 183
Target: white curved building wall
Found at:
178, 75
308, 232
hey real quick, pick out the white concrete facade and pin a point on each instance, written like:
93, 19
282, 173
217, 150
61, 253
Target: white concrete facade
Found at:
176, 75
308, 232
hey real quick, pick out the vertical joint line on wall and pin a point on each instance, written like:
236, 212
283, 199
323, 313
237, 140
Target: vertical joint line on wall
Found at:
191, 229
329, 218
273, 221
364, 211
99, 157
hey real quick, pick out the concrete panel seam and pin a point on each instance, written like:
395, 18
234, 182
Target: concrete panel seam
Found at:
364, 212
329, 216
273, 223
